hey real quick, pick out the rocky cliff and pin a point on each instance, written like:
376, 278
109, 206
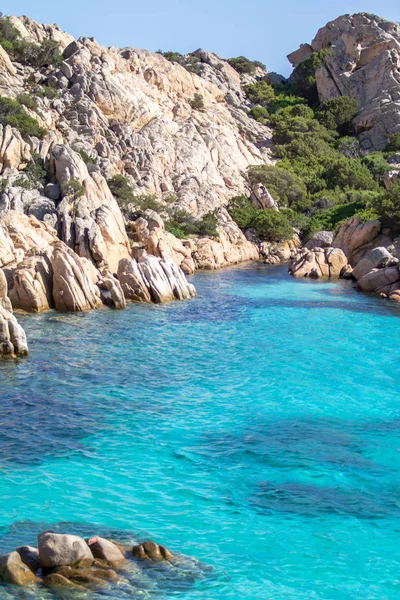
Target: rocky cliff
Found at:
364, 63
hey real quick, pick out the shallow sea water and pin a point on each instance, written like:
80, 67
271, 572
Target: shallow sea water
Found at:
255, 428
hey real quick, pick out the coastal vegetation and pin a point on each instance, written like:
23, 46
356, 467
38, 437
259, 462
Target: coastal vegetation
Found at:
322, 175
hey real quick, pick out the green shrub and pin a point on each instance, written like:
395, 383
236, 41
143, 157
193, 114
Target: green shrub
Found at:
338, 113
28, 101
349, 147
377, 164
121, 189
13, 113
74, 188
207, 225
260, 93
33, 176
260, 114
242, 211
350, 173
304, 75
394, 143
243, 65
197, 102
87, 159
181, 224
387, 204
45, 54
286, 187
46, 91
272, 226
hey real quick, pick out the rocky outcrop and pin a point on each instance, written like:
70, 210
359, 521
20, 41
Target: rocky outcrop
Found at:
67, 563
364, 64
274, 253
32, 284
325, 263
355, 238
73, 289
12, 337
320, 239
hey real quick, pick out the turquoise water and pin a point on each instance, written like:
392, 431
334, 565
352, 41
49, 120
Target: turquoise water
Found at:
255, 428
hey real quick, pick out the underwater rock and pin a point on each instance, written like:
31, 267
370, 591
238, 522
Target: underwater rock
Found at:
151, 551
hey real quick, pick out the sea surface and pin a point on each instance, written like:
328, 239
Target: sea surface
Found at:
255, 428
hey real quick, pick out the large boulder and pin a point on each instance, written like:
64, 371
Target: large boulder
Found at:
355, 238
152, 552
320, 239
106, 550
32, 284
379, 280
132, 283
12, 337
14, 571
73, 289
164, 279
56, 550
326, 263
373, 259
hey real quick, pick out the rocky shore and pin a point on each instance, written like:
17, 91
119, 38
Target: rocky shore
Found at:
68, 563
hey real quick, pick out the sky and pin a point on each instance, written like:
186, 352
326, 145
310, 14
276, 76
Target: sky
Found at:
259, 29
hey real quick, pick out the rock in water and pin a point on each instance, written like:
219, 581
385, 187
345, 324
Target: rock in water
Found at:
30, 557
151, 551
105, 550
12, 337
328, 263
13, 570
56, 550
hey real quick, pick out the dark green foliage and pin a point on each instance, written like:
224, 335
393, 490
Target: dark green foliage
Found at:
328, 220
189, 61
350, 173
387, 204
376, 164
304, 75
13, 113
147, 202
197, 102
73, 188
243, 65
28, 101
259, 64
28, 53
34, 175
394, 143
270, 225
338, 114
283, 100
87, 159
46, 91
349, 147
121, 189
172, 56
181, 224
260, 114
260, 93
287, 188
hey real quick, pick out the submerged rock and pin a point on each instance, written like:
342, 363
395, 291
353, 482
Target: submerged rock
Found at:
151, 551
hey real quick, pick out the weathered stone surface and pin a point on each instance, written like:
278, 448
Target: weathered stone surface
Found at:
375, 258
111, 291
30, 557
106, 550
364, 64
151, 551
378, 278
32, 284
4, 300
56, 550
13, 570
320, 239
12, 337
355, 238
318, 263
262, 198
73, 289
132, 283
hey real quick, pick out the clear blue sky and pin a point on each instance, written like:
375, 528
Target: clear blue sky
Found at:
258, 29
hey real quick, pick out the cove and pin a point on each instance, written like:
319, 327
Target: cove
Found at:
255, 428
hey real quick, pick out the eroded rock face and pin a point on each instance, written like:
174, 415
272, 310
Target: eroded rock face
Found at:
320, 239
326, 263
365, 65
12, 337
73, 289
355, 238
32, 284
